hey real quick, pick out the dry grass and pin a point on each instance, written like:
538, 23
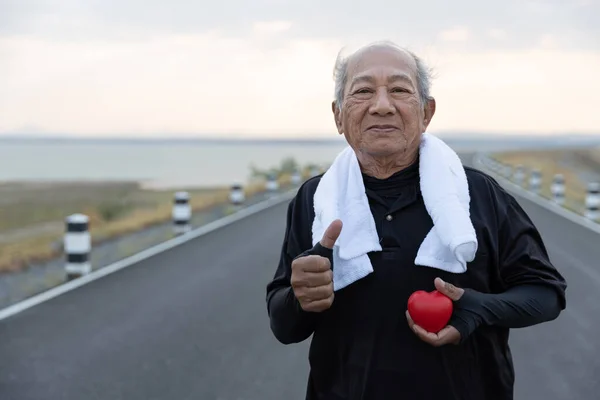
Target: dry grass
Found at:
548, 162
32, 215
589, 157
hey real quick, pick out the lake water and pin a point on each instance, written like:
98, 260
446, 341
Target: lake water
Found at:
192, 163
165, 164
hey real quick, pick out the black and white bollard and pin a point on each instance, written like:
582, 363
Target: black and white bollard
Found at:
77, 246
182, 213
592, 201
519, 175
296, 178
535, 181
236, 195
272, 183
558, 189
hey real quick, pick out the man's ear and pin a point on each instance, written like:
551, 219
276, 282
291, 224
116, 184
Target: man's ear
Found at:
429, 112
337, 117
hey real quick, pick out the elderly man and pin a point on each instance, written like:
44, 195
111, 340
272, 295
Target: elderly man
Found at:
365, 344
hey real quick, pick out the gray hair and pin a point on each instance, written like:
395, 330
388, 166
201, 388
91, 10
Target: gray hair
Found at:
340, 72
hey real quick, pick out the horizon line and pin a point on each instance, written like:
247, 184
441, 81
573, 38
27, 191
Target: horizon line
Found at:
298, 137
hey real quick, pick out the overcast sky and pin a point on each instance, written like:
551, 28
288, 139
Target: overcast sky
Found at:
264, 67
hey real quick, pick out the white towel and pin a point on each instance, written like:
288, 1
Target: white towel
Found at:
449, 245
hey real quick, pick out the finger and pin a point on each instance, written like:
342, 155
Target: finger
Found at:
315, 279
318, 292
428, 337
422, 333
318, 305
303, 278
331, 234
411, 323
449, 335
314, 263
444, 334
448, 289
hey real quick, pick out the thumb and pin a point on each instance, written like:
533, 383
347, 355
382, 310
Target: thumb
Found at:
448, 289
331, 234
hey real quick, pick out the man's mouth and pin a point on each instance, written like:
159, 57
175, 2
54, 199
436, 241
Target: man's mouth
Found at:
382, 128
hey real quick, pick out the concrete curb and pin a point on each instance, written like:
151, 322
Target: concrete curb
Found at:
535, 198
145, 254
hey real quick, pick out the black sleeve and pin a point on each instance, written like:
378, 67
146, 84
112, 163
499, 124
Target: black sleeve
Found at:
289, 322
518, 307
533, 289
523, 258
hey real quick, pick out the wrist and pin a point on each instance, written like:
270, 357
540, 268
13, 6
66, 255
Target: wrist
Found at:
466, 317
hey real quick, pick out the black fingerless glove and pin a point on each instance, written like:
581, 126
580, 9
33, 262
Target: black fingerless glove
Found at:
466, 316
319, 250
518, 307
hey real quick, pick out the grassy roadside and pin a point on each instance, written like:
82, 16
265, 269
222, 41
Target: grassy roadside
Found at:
32, 215
549, 162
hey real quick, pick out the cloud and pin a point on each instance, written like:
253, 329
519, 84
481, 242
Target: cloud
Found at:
417, 22
544, 90
497, 34
184, 67
185, 84
584, 3
458, 34
178, 83
271, 27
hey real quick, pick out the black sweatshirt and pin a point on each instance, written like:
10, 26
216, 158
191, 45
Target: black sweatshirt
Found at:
362, 347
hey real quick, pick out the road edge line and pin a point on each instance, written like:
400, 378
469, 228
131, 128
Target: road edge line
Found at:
145, 254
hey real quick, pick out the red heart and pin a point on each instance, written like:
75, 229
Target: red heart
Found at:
431, 311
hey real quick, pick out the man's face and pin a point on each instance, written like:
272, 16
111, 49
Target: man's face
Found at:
381, 113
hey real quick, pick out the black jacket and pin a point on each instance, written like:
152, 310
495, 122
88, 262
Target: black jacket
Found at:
362, 347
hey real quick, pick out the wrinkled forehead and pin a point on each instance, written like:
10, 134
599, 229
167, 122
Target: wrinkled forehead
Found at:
381, 64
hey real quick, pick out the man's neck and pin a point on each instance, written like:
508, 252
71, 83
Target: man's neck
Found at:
382, 167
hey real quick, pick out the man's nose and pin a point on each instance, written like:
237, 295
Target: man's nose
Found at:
382, 103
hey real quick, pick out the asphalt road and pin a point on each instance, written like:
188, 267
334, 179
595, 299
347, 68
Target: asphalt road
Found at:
191, 323
560, 360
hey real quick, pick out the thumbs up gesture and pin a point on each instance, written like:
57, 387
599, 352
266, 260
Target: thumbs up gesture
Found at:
312, 277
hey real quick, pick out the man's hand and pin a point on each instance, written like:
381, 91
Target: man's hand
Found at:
312, 277
449, 334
